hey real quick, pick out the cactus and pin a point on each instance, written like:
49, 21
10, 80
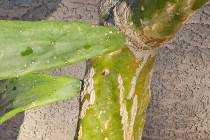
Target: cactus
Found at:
115, 96
148, 24
159, 20
34, 90
33, 46
116, 92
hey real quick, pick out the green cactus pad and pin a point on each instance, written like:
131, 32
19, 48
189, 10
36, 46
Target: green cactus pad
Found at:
34, 90
32, 46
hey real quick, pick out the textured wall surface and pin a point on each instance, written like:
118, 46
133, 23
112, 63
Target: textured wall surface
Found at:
180, 106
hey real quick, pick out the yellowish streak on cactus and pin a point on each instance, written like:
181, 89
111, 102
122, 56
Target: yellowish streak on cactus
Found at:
135, 77
80, 133
107, 123
127, 126
88, 89
123, 110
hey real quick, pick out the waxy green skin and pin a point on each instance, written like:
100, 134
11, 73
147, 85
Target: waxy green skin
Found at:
102, 120
34, 90
159, 20
39, 45
155, 21
28, 47
33, 46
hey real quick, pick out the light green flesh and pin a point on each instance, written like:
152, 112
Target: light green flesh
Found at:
33, 46
103, 120
34, 90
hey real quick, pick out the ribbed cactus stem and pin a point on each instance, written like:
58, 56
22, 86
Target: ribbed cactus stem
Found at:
116, 93
115, 96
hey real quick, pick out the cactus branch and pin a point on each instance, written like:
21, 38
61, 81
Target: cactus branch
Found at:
116, 96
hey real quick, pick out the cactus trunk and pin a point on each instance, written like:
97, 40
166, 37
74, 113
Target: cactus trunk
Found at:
116, 91
115, 96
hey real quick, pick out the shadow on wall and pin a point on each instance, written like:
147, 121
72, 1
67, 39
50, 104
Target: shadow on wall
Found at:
27, 9
10, 129
22, 10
